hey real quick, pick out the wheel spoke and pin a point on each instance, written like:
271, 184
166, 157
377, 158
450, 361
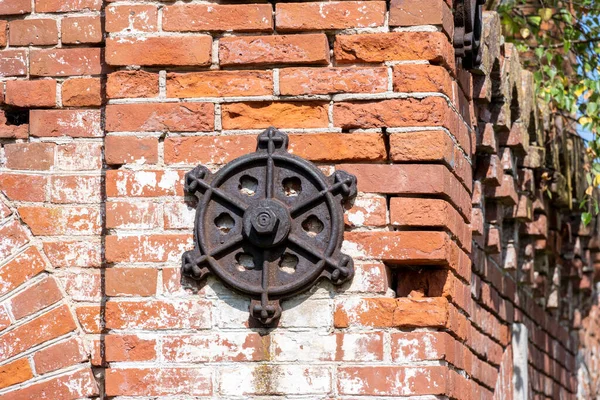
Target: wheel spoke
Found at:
318, 197
226, 246
312, 250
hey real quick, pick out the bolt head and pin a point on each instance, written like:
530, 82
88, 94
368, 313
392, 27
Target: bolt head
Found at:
264, 221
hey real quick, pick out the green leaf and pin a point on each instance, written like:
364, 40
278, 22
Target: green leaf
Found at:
586, 218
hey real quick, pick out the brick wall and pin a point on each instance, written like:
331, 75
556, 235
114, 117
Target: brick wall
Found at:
459, 254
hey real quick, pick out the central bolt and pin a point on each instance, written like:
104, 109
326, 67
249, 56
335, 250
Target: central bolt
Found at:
267, 223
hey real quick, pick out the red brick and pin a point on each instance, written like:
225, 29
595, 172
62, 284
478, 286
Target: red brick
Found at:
79, 156
51, 6
33, 32
144, 183
431, 146
219, 347
411, 179
183, 117
393, 381
220, 84
70, 253
82, 92
35, 298
90, 318
419, 213
131, 281
158, 382
131, 18
155, 51
72, 385
149, 248
14, 236
315, 147
22, 268
15, 372
29, 156
82, 286
277, 49
75, 189
60, 355
126, 215
411, 248
258, 115
370, 210
45, 327
419, 12
300, 81
13, 62
131, 150
157, 314
5, 320
3, 36
65, 62
430, 111
415, 78
420, 346
9, 131
60, 220
15, 7
218, 17
23, 187
78, 30
394, 46
126, 84
28, 94
330, 15
129, 348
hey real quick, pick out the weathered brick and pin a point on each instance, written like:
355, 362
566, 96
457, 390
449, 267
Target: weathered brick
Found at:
419, 179
375, 380
73, 253
5, 320
3, 37
35, 298
415, 78
277, 49
28, 94
281, 114
60, 355
23, 187
29, 156
45, 327
78, 30
131, 281
75, 189
183, 117
33, 32
315, 147
126, 215
22, 268
52, 6
65, 62
330, 15
155, 51
158, 381
431, 146
72, 385
215, 347
220, 84
125, 84
300, 81
73, 123
130, 348
218, 17
13, 62
15, 372
79, 156
144, 183
418, 12
61, 220
150, 248
14, 236
394, 46
82, 92
131, 18
90, 318
430, 112
158, 314
15, 7
131, 150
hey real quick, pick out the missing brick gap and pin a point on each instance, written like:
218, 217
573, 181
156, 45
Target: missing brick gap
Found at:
16, 116
386, 143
